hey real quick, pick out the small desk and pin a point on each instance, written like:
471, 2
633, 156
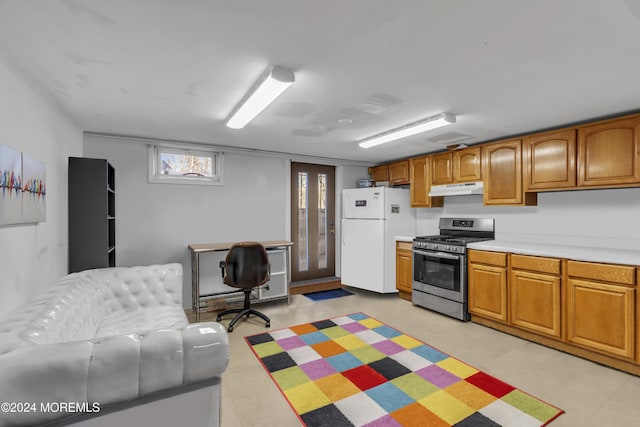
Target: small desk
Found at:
198, 248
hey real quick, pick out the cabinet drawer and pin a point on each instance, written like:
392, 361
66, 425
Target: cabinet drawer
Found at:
535, 263
619, 274
404, 246
484, 257
276, 287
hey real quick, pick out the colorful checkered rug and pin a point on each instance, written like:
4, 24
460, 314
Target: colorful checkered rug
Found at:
354, 370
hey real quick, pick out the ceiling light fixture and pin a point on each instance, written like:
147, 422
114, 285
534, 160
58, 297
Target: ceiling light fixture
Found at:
409, 129
270, 85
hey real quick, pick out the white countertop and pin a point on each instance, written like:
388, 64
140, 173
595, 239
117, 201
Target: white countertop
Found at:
404, 238
579, 253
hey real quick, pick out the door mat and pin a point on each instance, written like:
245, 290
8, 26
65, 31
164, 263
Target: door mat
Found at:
331, 293
355, 370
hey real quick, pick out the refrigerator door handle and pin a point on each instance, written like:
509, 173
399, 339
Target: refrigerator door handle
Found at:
344, 234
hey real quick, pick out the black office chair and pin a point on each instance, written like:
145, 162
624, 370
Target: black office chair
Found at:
246, 267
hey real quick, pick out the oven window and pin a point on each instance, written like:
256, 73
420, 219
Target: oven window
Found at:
437, 271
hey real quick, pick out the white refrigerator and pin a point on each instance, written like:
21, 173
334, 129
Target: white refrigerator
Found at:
371, 218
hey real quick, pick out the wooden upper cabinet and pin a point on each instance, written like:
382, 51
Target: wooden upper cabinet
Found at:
550, 161
379, 173
609, 153
399, 172
467, 166
456, 166
420, 184
502, 174
442, 168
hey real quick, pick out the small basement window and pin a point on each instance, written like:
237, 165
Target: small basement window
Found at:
183, 165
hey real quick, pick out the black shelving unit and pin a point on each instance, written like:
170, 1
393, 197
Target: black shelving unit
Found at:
92, 214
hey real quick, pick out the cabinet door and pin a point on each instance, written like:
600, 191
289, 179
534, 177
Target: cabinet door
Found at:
419, 181
534, 302
601, 317
550, 161
420, 185
609, 153
379, 173
488, 291
404, 272
399, 172
467, 165
502, 172
442, 168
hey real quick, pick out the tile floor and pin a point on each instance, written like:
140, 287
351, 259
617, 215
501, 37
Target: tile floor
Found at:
590, 394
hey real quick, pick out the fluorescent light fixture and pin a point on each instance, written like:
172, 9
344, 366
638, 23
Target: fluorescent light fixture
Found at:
409, 129
272, 83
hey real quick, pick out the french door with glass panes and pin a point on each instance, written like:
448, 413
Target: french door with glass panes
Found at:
312, 221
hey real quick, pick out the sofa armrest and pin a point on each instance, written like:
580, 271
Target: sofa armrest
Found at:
110, 369
40, 374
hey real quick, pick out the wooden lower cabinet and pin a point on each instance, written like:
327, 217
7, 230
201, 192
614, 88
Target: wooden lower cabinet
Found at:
404, 269
601, 317
583, 308
487, 285
600, 307
534, 302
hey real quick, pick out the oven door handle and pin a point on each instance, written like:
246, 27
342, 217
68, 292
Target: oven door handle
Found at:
438, 255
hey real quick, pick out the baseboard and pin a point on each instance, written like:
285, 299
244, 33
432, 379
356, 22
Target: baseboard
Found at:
315, 287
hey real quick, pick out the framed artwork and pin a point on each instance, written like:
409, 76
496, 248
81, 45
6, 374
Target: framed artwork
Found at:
22, 188
34, 190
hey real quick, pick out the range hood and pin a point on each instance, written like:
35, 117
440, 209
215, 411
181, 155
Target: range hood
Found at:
462, 189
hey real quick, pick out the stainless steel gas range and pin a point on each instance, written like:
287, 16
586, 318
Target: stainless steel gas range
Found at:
440, 264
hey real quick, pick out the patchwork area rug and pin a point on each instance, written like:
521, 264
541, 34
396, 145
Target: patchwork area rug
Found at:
354, 370
324, 295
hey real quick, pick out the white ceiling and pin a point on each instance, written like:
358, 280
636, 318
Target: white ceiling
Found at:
175, 69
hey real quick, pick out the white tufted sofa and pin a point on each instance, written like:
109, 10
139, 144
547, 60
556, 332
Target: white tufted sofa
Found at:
116, 337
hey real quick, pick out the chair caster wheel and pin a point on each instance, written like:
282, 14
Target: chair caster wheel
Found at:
268, 324
218, 319
230, 329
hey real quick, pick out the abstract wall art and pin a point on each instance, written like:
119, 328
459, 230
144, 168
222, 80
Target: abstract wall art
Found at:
10, 185
22, 188
34, 190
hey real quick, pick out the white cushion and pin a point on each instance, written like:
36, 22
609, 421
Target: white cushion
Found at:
142, 320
